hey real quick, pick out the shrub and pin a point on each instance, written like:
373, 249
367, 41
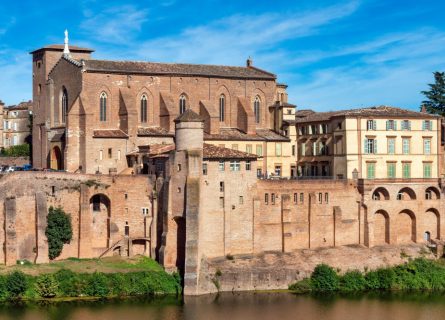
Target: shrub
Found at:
16, 284
97, 285
302, 286
46, 286
58, 231
352, 281
324, 278
21, 150
69, 283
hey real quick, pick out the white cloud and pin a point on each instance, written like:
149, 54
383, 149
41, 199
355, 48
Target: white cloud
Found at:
15, 76
117, 24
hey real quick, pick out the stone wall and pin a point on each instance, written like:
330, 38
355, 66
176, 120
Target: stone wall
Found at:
14, 161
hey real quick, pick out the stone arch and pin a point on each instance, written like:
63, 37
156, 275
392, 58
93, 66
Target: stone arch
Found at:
56, 158
97, 104
432, 193
264, 112
150, 106
406, 227
431, 223
380, 193
63, 106
381, 227
100, 208
182, 107
406, 193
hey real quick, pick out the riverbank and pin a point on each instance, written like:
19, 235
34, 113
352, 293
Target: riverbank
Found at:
86, 279
415, 275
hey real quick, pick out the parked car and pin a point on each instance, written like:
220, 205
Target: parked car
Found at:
10, 169
27, 167
18, 169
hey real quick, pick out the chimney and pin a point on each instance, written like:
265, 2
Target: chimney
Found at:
423, 109
249, 62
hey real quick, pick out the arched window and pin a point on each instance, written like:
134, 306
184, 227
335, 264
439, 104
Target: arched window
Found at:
256, 109
64, 104
103, 107
222, 107
182, 103
144, 108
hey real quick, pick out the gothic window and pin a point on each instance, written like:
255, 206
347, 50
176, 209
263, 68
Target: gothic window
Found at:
182, 103
144, 116
256, 109
222, 106
64, 104
103, 107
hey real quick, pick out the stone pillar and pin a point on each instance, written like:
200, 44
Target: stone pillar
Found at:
85, 224
154, 224
10, 232
41, 223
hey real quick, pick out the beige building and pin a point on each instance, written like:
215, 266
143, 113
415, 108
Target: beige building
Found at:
371, 143
16, 124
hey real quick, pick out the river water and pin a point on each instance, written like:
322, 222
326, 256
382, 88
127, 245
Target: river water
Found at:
245, 306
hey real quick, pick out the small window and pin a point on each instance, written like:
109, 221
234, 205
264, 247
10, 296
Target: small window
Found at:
118, 155
110, 153
221, 202
320, 198
326, 197
204, 169
391, 125
221, 165
101, 155
248, 165
266, 198
145, 212
182, 104
179, 167
278, 149
295, 198
301, 197
371, 125
406, 125
53, 190
241, 200
234, 165
406, 146
259, 172
126, 196
428, 195
221, 186
427, 146
278, 171
179, 189
400, 196
249, 148
427, 125
273, 198
293, 150
259, 150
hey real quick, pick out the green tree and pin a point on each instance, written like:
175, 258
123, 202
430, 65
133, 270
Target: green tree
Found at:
16, 284
58, 231
46, 286
324, 278
435, 102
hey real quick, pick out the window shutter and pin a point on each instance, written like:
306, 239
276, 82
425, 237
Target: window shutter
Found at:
375, 146
387, 125
395, 125
374, 125
366, 146
431, 125
409, 125
424, 125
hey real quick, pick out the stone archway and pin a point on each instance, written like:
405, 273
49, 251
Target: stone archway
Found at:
56, 158
431, 223
406, 227
381, 228
380, 194
100, 208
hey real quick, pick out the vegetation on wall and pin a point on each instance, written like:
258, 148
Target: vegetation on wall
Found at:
21, 150
58, 231
418, 274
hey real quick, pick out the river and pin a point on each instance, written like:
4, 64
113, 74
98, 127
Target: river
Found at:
245, 306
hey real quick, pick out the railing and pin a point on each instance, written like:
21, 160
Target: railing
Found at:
272, 177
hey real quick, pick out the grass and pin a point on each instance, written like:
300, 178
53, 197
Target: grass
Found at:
113, 264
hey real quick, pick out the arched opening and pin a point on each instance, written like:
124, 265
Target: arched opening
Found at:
406, 227
380, 194
431, 223
222, 108
182, 103
427, 237
180, 245
144, 109
56, 159
432, 193
100, 208
103, 107
257, 109
406, 194
381, 228
64, 104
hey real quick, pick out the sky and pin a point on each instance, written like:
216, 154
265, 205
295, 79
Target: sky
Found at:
332, 54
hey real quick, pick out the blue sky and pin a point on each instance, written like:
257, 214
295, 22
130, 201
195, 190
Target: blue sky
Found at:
332, 54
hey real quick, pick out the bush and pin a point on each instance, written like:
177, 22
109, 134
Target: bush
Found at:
302, 286
46, 286
16, 284
21, 150
58, 231
352, 281
69, 283
324, 278
97, 285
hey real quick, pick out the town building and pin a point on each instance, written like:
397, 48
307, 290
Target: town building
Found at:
95, 115
379, 142
16, 124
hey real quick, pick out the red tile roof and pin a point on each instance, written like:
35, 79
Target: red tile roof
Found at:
234, 134
215, 152
110, 133
153, 132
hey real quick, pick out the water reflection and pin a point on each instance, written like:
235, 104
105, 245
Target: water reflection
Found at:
246, 306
